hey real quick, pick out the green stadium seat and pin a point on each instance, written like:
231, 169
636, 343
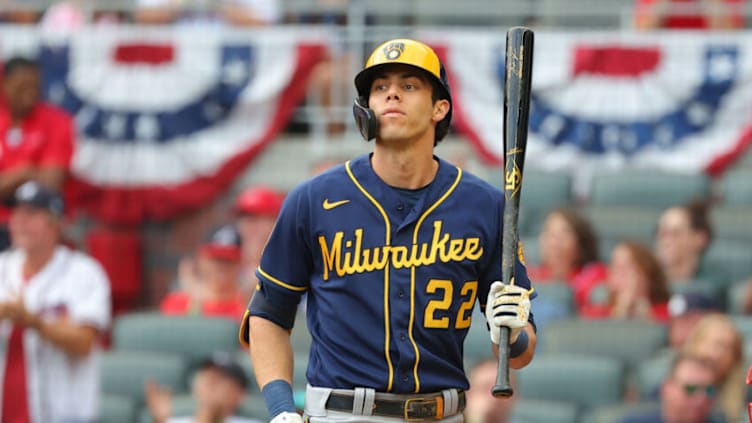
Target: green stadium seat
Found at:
616, 412
651, 373
300, 337
559, 293
736, 188
544, 411
125, 373
582, 380
541, 193
732, 258
117, 409
647, 188
194, 337
620, 223
744, 324
630, 341
477, 341
735, 296
530, 250
732, 223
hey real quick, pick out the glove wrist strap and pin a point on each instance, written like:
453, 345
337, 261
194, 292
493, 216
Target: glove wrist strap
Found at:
520, 345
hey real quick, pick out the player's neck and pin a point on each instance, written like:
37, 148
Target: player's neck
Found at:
410, 169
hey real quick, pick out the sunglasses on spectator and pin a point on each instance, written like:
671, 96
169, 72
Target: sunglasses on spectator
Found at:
692, 389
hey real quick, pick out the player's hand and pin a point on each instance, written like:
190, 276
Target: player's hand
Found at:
287, 417
509, 306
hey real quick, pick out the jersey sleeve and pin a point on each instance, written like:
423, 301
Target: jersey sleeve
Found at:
90, 305
286, 263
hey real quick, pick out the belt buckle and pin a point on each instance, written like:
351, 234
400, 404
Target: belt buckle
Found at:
419, 409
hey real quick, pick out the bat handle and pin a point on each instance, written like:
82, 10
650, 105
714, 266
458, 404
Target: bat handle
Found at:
503, 388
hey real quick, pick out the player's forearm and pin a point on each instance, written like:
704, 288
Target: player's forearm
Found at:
271, 351
526, 356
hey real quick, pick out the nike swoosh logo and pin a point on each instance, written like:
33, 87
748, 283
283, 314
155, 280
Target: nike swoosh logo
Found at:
328, 206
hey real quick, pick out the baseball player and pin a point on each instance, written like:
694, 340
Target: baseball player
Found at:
393, 249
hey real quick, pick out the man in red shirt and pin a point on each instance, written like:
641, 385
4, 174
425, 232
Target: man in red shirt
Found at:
36, 138
210, 283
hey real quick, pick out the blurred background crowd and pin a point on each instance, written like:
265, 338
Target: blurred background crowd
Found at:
147, 146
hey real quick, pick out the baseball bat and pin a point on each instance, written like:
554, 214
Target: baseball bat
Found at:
519, 68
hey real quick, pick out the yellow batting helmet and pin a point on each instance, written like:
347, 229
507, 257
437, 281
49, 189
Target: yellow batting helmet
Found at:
403, 51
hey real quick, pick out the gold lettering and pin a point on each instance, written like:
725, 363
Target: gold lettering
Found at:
455, 249
331, 258
473, 250
399, 256
347, 256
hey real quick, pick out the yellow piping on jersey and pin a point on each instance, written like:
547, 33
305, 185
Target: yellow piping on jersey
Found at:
387, 241
280, 283
243, 335
412, 274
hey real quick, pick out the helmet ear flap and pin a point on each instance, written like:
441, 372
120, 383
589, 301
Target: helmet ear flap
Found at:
365, 118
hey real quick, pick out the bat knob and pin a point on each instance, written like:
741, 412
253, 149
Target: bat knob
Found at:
502, 392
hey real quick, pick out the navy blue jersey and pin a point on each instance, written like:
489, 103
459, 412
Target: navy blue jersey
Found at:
391, 289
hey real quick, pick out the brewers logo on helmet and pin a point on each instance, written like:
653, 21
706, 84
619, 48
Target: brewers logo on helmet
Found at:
407, 52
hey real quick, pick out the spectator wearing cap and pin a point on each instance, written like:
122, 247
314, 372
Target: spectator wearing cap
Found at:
255, 210
219, 388
36, 138
54, 305
685, 310
210, 286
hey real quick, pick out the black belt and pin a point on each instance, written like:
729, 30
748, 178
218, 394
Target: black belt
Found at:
415, 408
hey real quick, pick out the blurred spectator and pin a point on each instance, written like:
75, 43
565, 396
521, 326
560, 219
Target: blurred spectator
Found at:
716, 339
72, 15
482, 407
687, 394
256, 210
37, 138
569, 253
233, 12
684, 234
689, 14
219, 388
210, 283
685, 311
16, 12
54, 305
636, 286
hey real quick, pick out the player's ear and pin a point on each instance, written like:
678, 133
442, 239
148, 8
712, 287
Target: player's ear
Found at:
440, 110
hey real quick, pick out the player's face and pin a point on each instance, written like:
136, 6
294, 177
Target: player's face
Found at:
401, 98
676, 240
558, 243
684, 395
32, 228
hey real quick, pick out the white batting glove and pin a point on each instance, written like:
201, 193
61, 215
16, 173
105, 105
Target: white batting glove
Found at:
287, 417
507, 305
